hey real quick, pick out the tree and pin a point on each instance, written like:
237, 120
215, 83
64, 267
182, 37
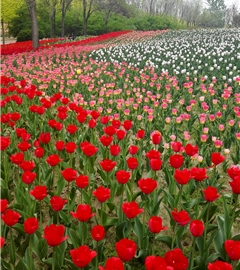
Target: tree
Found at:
65, 5
109, 6
8, 12
52, 4
217, 8
32, 9
88, 9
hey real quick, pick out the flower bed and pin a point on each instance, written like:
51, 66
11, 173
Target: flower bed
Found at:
121, 157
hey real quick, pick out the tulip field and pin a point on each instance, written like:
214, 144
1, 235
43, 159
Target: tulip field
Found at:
122, 152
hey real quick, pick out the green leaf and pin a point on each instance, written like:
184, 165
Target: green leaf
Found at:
120, 231
227, 221
200, 245
60, 185
200, 263
12, 250
64, 217
236, 237
35, 243
6, 265
213, 257
73, 238
138, 228
60, 253
86, 197
21, 265
165, 239
43, 248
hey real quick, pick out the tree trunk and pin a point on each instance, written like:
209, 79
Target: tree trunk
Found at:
33, 14
84, 18
85, 27
3, 32
63, 18
54, 23
51, 25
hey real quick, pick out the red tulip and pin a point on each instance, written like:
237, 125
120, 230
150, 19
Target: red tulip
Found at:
30, 225
2, 241
115, 150
109, 130
217, 158
219, 265
133, 149
127, 124
95, 114
82, 181
4, 143
70, 147
155, 263
122, 176
107, 164
10, 217
176, 146
131, 209
197, 228
176, 259
54, 235
147, 185
39, 152
69, 174
25, 136
140, 134
71, 129
3, 205
191, 150
98, 233
102, 194
20, 131
210, 194
60, 145
28, 177
116, 123
83, 213
57, 203
23, 146
132, 163
92, 123
233, 171
39, 192
126, 249
82, 256
176, 161
27, 165
181, 217
45, 137
156, 137
104, 120
113, 263
199, 174
232, 248
235, 185
106, 140
120, 134
88, 149
182, 176
53, 160
153, 154
155, 164
17, 158
155, 225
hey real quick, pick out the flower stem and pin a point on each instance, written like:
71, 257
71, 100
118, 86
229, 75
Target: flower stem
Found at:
53, 259
192, 253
